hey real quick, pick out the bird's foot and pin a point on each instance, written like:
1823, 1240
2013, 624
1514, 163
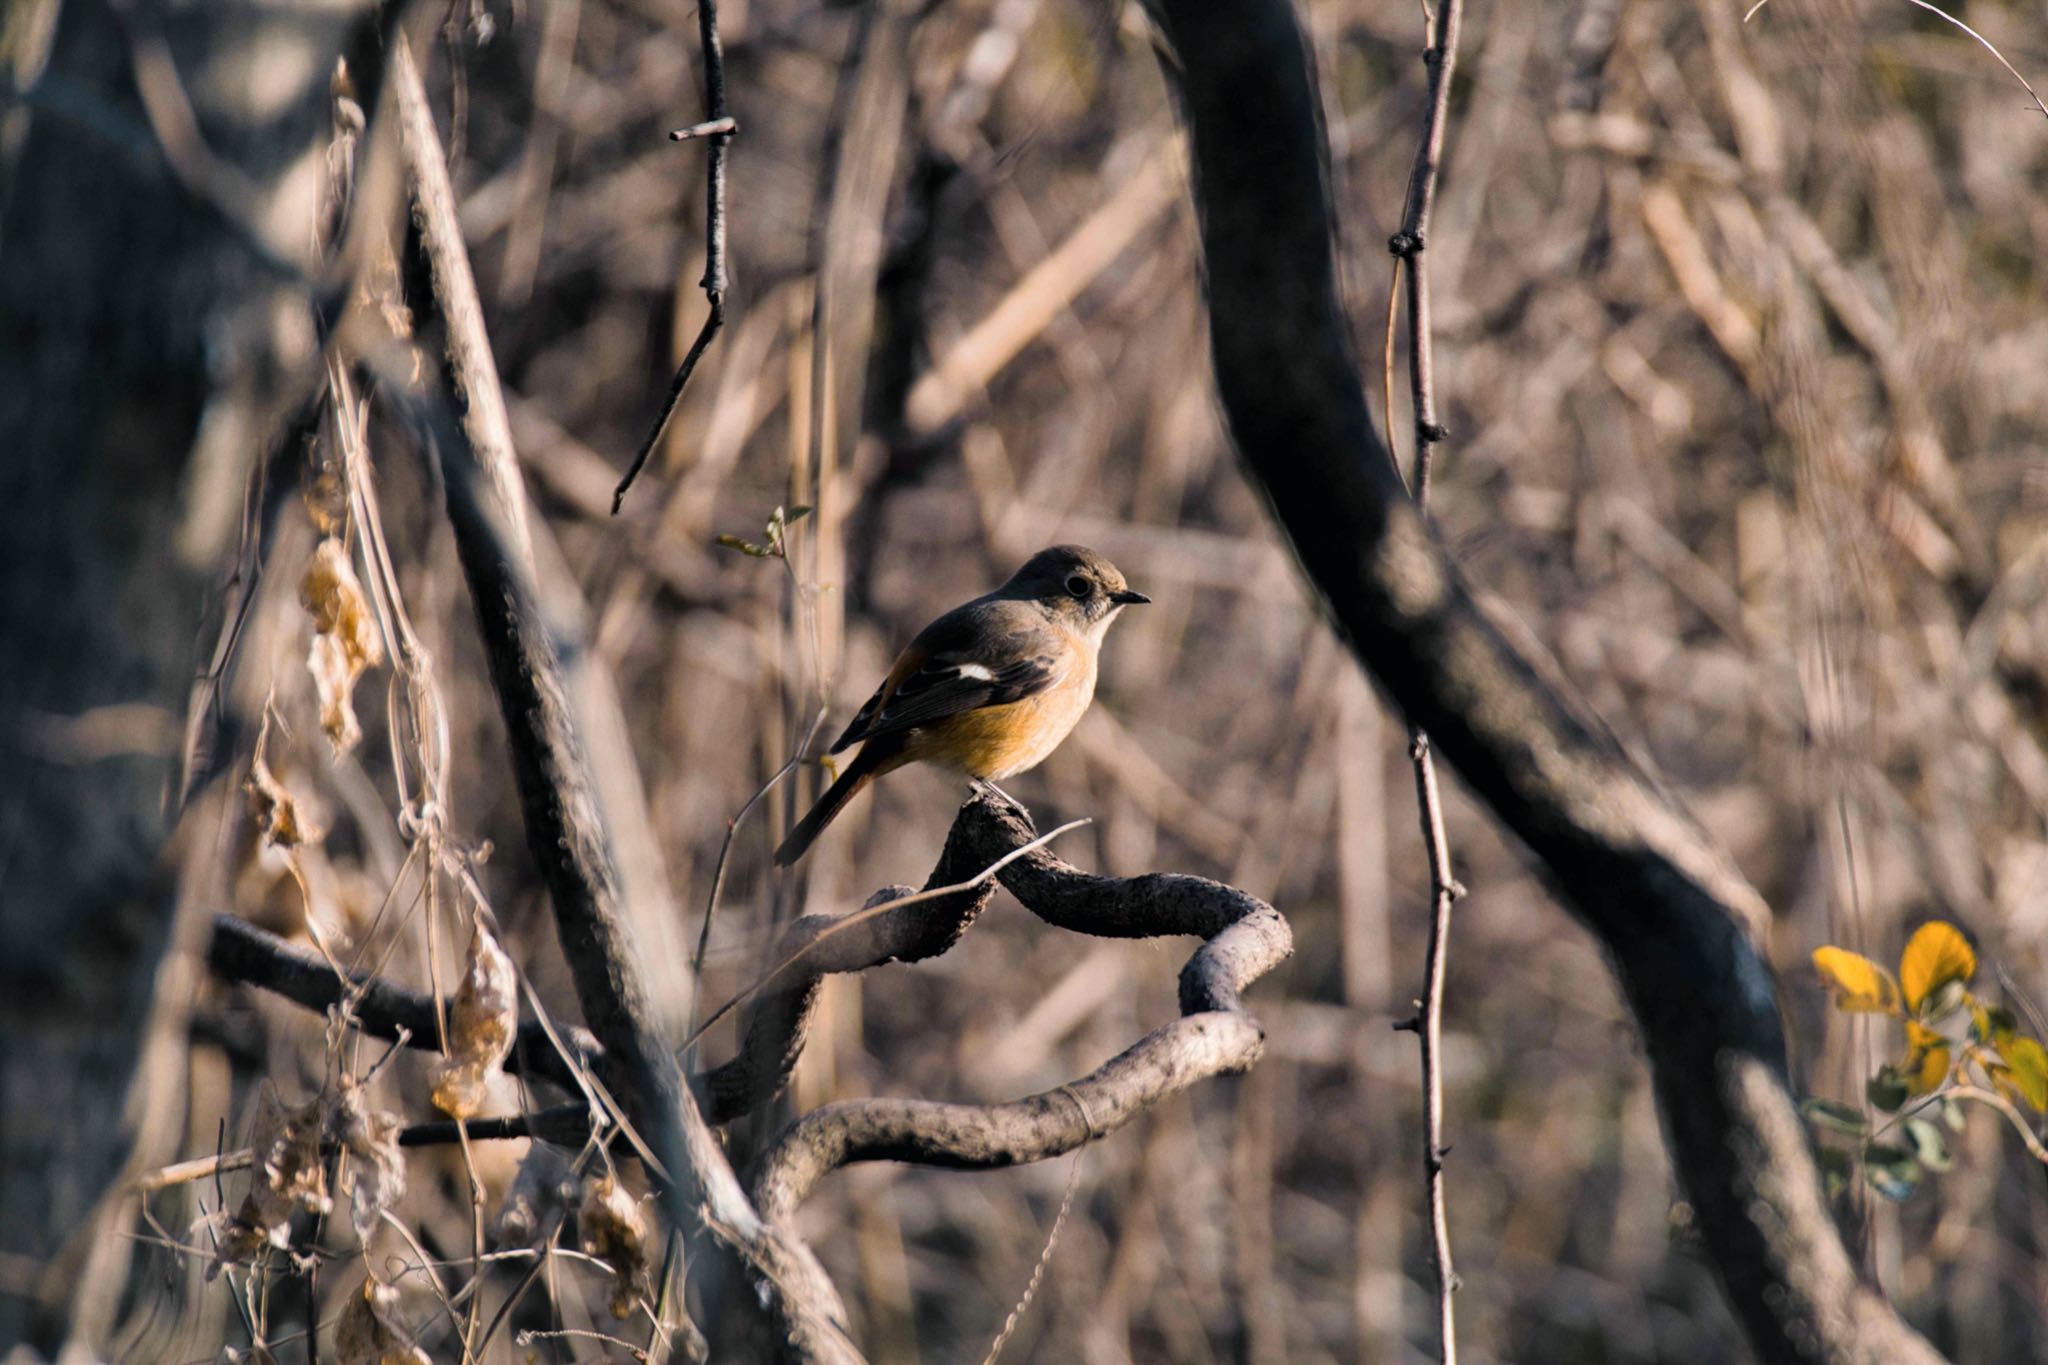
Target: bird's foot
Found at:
986, 787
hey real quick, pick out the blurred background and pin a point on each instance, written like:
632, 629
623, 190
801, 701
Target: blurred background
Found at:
1740, 341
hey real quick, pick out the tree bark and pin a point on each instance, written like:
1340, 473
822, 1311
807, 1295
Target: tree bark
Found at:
1682, 927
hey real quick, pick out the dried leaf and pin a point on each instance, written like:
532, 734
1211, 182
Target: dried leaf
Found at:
275, 810
370, 1332
288, 1171
1860, 985
539, 1194
345, 640
376, 1174
231, 1238
326, 492
1936, 955
482, 1024
612, 1228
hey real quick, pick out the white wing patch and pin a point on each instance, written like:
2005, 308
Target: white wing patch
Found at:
980, 672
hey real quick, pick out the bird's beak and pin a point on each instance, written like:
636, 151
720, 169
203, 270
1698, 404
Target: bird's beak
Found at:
1128, 597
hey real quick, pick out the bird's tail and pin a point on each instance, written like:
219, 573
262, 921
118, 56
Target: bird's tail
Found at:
857, 775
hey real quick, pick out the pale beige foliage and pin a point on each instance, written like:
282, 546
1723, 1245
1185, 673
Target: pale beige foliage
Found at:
483, 1021
289, 1172
613, 1228
536, 1198
275, 810
377, 1168
370, 1332
345, 639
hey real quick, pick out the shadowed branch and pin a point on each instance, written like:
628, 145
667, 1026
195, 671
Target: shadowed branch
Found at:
1682, 926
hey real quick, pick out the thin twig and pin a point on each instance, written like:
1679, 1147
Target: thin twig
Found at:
732, 829
718, 128
1992, 1099
1052, 1238
1986, 44
1943, 14
1408, 246
861, 916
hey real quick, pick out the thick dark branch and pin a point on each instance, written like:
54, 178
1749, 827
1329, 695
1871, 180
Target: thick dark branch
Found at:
982, 1136
566, 1125
816, 946
1681, 925
239, 951
1246, 938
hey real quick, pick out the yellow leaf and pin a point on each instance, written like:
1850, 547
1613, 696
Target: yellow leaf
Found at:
1927, 1058
1860, 985
1936, 955
2029, 1063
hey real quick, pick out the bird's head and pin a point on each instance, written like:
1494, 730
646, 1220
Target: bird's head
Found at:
1075, 585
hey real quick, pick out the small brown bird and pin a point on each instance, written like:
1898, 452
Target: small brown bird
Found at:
990, 688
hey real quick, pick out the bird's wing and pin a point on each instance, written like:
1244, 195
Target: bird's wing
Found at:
983, 654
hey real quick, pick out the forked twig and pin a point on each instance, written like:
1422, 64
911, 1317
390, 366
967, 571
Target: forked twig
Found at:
718, 128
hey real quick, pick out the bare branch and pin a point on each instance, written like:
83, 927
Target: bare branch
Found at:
1245, 939
1682, 927
1411, 258
239, 951
720, 129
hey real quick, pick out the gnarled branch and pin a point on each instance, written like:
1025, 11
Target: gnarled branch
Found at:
1245, 939
1681, 925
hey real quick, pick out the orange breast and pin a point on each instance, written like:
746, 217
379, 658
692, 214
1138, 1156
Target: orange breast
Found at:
996, 742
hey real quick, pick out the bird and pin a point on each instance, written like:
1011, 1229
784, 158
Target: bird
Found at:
990, 688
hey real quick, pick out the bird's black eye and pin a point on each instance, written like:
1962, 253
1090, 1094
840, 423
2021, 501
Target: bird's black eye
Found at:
1077, 585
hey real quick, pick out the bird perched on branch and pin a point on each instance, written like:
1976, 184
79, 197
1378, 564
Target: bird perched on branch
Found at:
990, 688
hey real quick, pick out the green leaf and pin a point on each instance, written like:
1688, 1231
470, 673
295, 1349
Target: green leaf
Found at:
1989, 1024
1835, 1117
1952, 1114
745, 547
1929, 1145
1887, 1090
1891, 1171
1944, 1000
797, 514
1835, 1169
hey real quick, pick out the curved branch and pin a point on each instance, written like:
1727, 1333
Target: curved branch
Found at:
1681, 925
1245, 939
816, 946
